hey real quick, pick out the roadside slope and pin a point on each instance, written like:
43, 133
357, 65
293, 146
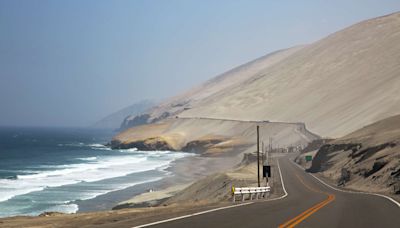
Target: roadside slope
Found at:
366, 160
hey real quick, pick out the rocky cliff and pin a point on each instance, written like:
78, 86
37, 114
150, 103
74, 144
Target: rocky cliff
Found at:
367, 159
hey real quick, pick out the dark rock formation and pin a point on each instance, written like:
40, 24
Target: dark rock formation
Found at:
368, 152
315, 145
378, 165
200, 146
135, 121
144, 145
319, 162
161, 117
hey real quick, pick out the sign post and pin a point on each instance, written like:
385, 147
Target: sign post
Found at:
266, 172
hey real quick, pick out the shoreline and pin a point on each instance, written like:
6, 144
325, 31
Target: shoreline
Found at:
181, 172
190, 200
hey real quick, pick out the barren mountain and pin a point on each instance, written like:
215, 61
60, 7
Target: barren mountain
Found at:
336, 85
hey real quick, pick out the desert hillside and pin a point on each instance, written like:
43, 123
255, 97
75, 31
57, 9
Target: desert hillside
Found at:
367, 159
336, 85
211, 136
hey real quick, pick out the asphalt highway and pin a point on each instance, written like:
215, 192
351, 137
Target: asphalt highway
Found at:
309, 203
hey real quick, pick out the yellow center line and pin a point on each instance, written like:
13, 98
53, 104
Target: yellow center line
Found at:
301, 217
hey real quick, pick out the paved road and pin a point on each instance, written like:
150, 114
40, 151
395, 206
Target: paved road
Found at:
309, 203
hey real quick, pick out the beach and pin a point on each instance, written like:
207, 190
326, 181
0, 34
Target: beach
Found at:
181, 173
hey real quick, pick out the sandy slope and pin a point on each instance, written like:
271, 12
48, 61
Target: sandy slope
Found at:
211, 136
336, 85
370, 155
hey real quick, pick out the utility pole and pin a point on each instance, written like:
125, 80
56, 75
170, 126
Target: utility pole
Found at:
258, 155
262, 152
267, 152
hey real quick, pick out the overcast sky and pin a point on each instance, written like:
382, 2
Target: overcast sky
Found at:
70, 63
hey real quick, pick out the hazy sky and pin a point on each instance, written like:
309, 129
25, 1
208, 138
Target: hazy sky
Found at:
69, 63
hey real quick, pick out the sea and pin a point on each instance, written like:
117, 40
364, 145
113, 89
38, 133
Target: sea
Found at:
51, 169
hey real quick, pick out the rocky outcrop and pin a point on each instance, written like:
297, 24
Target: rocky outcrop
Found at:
366, 160
320, 161
148, 144
137, 120
132, 121
315, 145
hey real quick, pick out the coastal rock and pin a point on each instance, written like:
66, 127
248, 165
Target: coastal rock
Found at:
50, 214
148, 144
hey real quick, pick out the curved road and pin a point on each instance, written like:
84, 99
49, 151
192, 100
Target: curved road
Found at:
309, 203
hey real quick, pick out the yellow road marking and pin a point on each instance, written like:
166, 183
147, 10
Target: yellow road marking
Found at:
301, 217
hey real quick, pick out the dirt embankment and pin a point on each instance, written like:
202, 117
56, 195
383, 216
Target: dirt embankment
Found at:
217, 188
365, 160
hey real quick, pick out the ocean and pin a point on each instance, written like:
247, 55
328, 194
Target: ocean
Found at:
50, 169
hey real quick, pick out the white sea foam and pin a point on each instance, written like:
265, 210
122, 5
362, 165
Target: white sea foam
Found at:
99, 147
96, 145
65, 208
87, 159
99, 168
128, 150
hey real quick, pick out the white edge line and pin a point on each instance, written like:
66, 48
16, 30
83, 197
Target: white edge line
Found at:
283, 184
216, 209
347, 191
191, 215
283, 187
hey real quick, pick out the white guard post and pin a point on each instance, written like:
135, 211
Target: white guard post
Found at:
250, 191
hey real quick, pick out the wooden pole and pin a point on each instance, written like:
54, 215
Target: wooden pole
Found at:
258, 155
262, 153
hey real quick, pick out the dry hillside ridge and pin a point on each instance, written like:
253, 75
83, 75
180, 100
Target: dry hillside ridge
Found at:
210, 136
366, 160
336, 85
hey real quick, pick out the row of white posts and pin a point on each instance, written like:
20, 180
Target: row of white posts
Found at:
262, 192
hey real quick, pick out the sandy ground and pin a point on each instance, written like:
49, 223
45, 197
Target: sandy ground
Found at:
214, 136
186, 171
155, 195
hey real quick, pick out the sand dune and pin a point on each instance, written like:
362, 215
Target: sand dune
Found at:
336, 85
